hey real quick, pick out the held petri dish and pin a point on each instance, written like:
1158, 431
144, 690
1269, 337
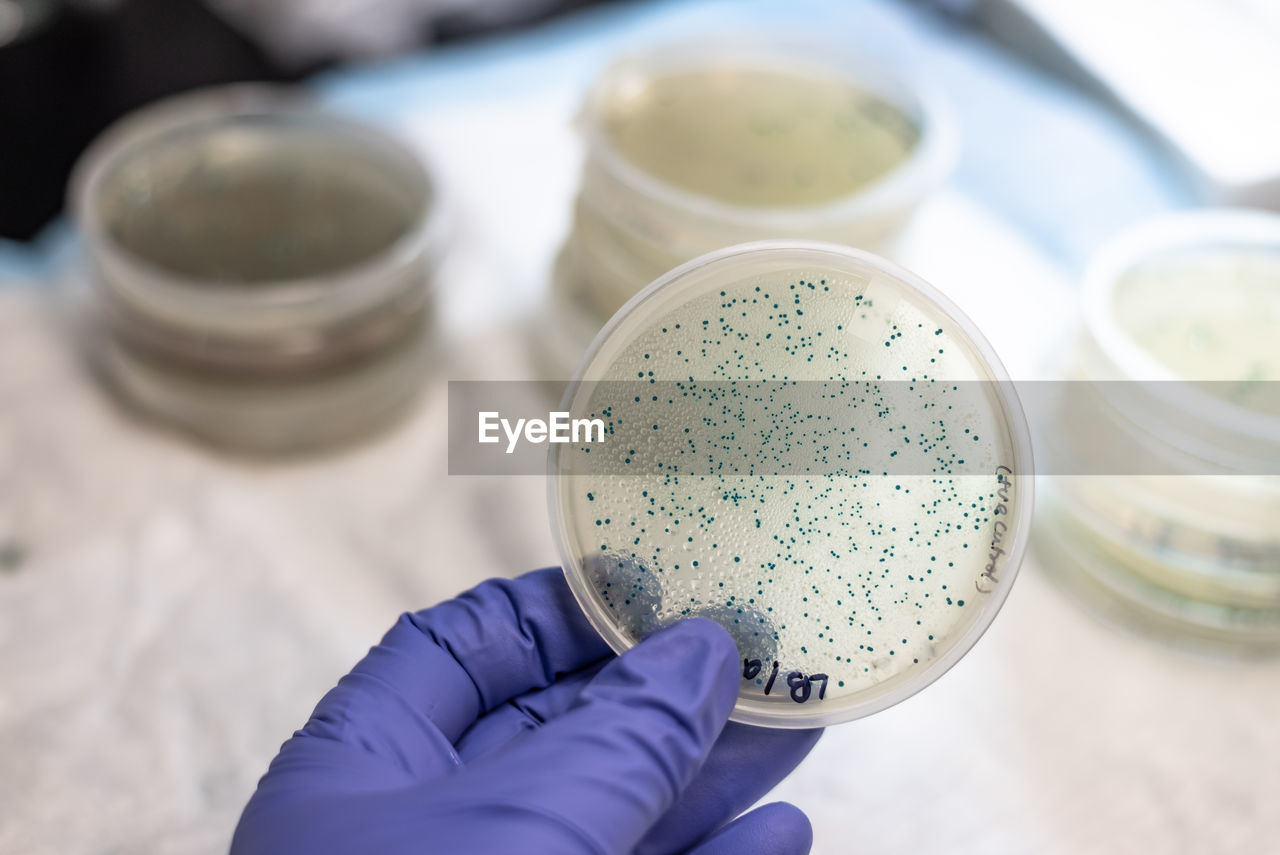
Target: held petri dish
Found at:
810, 446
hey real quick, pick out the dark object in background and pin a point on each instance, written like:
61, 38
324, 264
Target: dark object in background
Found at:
65, 81
473, 22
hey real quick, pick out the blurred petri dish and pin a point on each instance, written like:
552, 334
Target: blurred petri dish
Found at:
1188, 305
1094, 508
1129, 593
810, 446
261, 268
1182, 317
696, 145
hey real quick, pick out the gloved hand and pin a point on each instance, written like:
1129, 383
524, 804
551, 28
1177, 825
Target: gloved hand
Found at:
500, 722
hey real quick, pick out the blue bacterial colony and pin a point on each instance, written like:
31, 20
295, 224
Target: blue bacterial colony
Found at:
801, 456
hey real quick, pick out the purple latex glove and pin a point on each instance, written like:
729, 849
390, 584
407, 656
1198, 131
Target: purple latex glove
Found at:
500, 722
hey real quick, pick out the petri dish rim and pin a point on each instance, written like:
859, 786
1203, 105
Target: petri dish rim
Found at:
902, 686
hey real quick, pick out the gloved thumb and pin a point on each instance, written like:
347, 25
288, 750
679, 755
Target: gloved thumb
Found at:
596, 778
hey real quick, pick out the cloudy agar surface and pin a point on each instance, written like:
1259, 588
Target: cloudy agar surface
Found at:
1211, 315
757, 136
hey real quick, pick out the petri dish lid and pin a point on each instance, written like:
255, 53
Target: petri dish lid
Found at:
810, 446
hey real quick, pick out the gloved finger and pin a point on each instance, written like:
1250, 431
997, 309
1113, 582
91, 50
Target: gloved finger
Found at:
438, 670
775, 829
524, 713
598, 776
745, 763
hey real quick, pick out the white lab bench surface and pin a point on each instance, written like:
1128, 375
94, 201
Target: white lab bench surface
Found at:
169, 615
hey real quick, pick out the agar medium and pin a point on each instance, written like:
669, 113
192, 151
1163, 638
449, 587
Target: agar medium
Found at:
812, 447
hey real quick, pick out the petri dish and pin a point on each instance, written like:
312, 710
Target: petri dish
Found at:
1187, 304
1148, 547
1182, 314
261, 269
1119, 588
696, 145
812, 447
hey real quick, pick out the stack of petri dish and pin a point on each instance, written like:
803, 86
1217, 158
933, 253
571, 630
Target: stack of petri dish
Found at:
261, 269
696, 146
812, 447
1173, 521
